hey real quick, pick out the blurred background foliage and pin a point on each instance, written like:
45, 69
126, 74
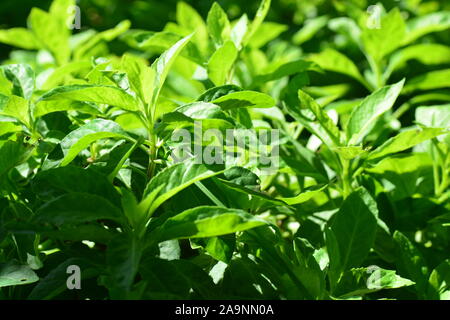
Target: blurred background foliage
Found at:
154, 14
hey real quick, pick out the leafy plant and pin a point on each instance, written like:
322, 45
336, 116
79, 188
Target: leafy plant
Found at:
93, 172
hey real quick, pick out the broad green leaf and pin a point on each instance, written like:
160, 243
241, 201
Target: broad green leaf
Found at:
333, 60
430, 80
354, 227
93, 93
239, 30
12, 274
218, 24
411, 262
433, 22
176, 279
440, 281
60, 74
309, 29
13, 153
405, 140
162, 66
361, 281
284, 70
266, 32
202, 222
426, 53
221, 63
87, 48
44, 25
434, 116
380, 42
364, 116
22, 78
257, 20
77, 208
190, 21
122, 256
306, 195
245, 99
55, 182
311, 115
172, 180
81, 138
217, 92
20, 37
16, 107
55, 282
140, 76
44, 107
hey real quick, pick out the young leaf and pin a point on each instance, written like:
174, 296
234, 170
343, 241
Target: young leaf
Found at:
22, 78
257, 21
140, 76
20, 37
221, 62
380, 42
364, 116
162, 66
430, 80
218, 24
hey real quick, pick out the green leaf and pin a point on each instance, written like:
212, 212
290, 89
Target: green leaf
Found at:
101, 94
309, 29
221, 62
189, 19
22, 78
55, 282
411, 262
218, 24
380, 42
12, 274
420, 26
333, 60
306, 195
94, 130
405, 140
440, 281
202, 222
257, 21
364, 116
162, 65
20, 37
140, 76
361, 281
239, 31
123, 257
426, 53
266, 32
430, 80
77, 208
351, 152
311, 115
172, 180
13, 153
16, 107
60, 74
52, 183
44, 25
354, 227
245, 99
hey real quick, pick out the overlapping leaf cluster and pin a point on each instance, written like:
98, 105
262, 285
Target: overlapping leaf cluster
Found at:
360, 201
